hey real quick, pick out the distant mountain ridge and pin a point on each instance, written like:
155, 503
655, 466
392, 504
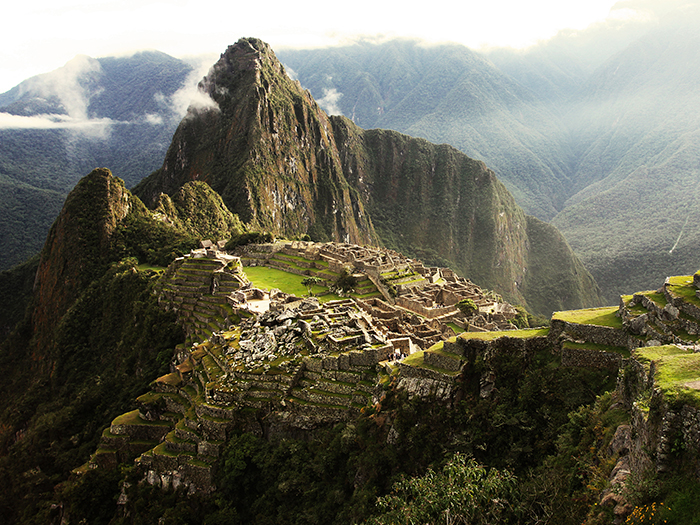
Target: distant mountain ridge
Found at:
445, 94
56, 127
604, 148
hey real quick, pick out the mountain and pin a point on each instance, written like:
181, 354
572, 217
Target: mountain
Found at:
594, 131
445, 94
282, 165
93, 335
636, 120
532, 426
255, 418
112, 111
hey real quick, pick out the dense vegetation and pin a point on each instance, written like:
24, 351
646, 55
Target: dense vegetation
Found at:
104, 336
335, 474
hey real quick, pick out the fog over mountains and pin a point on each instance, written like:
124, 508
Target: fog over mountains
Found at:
595, 131
55, 128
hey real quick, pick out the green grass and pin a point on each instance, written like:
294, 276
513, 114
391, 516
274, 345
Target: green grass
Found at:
656, 297
524, 333
682, 286
146, 266
415, 359
172, 379
638, 309
442, 352
605, 316
133, 418
675, 368
268, 278
457, 329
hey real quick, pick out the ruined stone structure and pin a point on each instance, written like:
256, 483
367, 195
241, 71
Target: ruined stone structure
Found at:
300, 364
431, 293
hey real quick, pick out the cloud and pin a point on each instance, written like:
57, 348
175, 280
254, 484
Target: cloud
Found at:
97, 128
329, 101
73, 85
190, 95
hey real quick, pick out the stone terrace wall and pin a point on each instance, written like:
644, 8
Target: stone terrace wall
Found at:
420, 309
603, 335
580, 357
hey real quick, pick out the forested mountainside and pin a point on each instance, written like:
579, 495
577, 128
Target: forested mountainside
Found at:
284, 166
93, 335
594, 130
445, 94
56, 127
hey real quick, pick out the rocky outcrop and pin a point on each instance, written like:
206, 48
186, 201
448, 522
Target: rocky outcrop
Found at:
267, 148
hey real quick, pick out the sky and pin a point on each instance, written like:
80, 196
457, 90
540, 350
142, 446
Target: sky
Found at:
40, 36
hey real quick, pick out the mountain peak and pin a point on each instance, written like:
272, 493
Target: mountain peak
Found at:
244, 60
268, 151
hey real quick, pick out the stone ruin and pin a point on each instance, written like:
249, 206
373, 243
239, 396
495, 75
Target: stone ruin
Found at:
403, 284
301, 362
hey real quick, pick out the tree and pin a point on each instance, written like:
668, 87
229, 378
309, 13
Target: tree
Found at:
467, 307
309, 282
464, 492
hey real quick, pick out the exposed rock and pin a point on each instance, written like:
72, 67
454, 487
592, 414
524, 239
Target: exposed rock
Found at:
621, 441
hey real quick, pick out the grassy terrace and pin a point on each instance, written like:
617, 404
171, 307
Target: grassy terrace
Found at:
678, 371
605, 316
417, 360
268, 278
523, 333
133, 418
145, 266
456, 328
656, 297
682, 286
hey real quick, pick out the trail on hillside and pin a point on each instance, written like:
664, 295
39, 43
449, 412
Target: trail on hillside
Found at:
687, 217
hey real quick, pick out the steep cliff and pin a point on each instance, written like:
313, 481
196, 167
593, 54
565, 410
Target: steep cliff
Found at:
75, 252
267, 148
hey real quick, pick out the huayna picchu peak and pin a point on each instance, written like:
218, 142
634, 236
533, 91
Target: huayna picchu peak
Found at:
267, 148
295, 320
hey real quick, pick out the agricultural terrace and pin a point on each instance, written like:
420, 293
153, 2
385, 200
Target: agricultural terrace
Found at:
677, 370
604, 316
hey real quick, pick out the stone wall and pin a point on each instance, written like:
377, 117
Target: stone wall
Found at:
420, 309
603, 335
580, 357
662, 435
442, 361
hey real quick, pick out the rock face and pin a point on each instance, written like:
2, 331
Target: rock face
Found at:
267, 148
284, 166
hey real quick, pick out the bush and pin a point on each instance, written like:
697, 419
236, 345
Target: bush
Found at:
248, 238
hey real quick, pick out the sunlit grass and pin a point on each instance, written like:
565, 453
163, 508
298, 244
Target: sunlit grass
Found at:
605, 316
676, 369
523, 334
269, 278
